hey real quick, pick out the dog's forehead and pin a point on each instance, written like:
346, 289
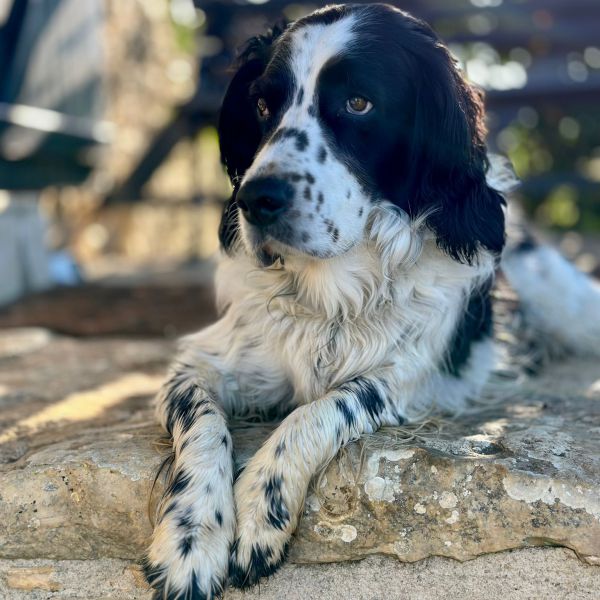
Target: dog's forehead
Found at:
312, 45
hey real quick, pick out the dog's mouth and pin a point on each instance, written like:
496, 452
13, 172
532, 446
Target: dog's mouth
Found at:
269, 251
267, 256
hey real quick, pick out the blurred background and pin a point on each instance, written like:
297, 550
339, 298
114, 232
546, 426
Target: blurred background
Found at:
110, 183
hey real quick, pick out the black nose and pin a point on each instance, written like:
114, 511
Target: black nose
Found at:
264, 199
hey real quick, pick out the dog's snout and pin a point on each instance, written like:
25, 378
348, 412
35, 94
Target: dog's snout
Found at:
264, 199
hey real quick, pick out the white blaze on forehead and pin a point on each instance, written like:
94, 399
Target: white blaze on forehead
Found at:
313, 46
329, 206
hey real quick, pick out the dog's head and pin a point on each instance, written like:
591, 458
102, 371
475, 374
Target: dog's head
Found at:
345, 108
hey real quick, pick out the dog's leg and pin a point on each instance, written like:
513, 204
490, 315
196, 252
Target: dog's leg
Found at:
270, 491
196, 519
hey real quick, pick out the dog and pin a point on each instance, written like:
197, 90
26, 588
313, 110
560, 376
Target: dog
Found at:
361, 241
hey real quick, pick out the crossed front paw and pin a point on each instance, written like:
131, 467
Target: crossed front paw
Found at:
265, 522
189, 584
202, 542
189, 555
250, 562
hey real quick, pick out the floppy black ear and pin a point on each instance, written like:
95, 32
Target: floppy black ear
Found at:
449, 160
239, 130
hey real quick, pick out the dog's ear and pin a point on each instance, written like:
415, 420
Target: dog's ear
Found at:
449, 160
239, 130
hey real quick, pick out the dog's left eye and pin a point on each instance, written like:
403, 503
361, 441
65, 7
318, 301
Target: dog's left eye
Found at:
262, 108
357, 105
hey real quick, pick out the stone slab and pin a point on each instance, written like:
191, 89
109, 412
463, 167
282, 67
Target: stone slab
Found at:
79, 457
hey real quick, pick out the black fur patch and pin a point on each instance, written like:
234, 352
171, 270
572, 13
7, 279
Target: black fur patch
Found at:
278, 515
368, 396
400, 420
186, 544
182, 406
152, 572
280, 449
219, 517
262, 564
475, 325
322, 155
180, 481
185, 521
169, 509
300, 96
347, 413
291, 132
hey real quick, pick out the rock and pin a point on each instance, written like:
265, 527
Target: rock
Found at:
73, 579
41, 376
32, 578
524, 473
518, 575
78, 445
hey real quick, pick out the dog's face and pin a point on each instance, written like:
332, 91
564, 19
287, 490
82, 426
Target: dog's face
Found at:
345, 108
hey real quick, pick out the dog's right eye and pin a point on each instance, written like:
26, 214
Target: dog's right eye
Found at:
357, 105
262, 108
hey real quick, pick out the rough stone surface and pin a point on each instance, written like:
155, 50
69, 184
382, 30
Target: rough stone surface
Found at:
530, 574
78, 459
523, 474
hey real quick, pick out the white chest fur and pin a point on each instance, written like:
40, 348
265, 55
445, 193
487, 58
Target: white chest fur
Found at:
390, 304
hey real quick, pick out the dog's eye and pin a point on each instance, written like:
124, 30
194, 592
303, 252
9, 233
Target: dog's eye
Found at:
357, 105
262, 108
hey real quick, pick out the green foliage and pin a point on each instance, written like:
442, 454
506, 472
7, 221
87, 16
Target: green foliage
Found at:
557, 155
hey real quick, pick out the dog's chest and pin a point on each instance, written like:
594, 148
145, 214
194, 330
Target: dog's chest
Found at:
323, 332
405, 336
318, 355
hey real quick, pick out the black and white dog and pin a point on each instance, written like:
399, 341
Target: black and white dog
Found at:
361, 241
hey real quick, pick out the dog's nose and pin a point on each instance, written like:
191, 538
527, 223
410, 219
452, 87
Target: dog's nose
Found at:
264, 199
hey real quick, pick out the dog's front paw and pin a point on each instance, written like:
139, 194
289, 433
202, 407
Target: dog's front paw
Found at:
265, 523
189, 554
186, 584
251, 561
